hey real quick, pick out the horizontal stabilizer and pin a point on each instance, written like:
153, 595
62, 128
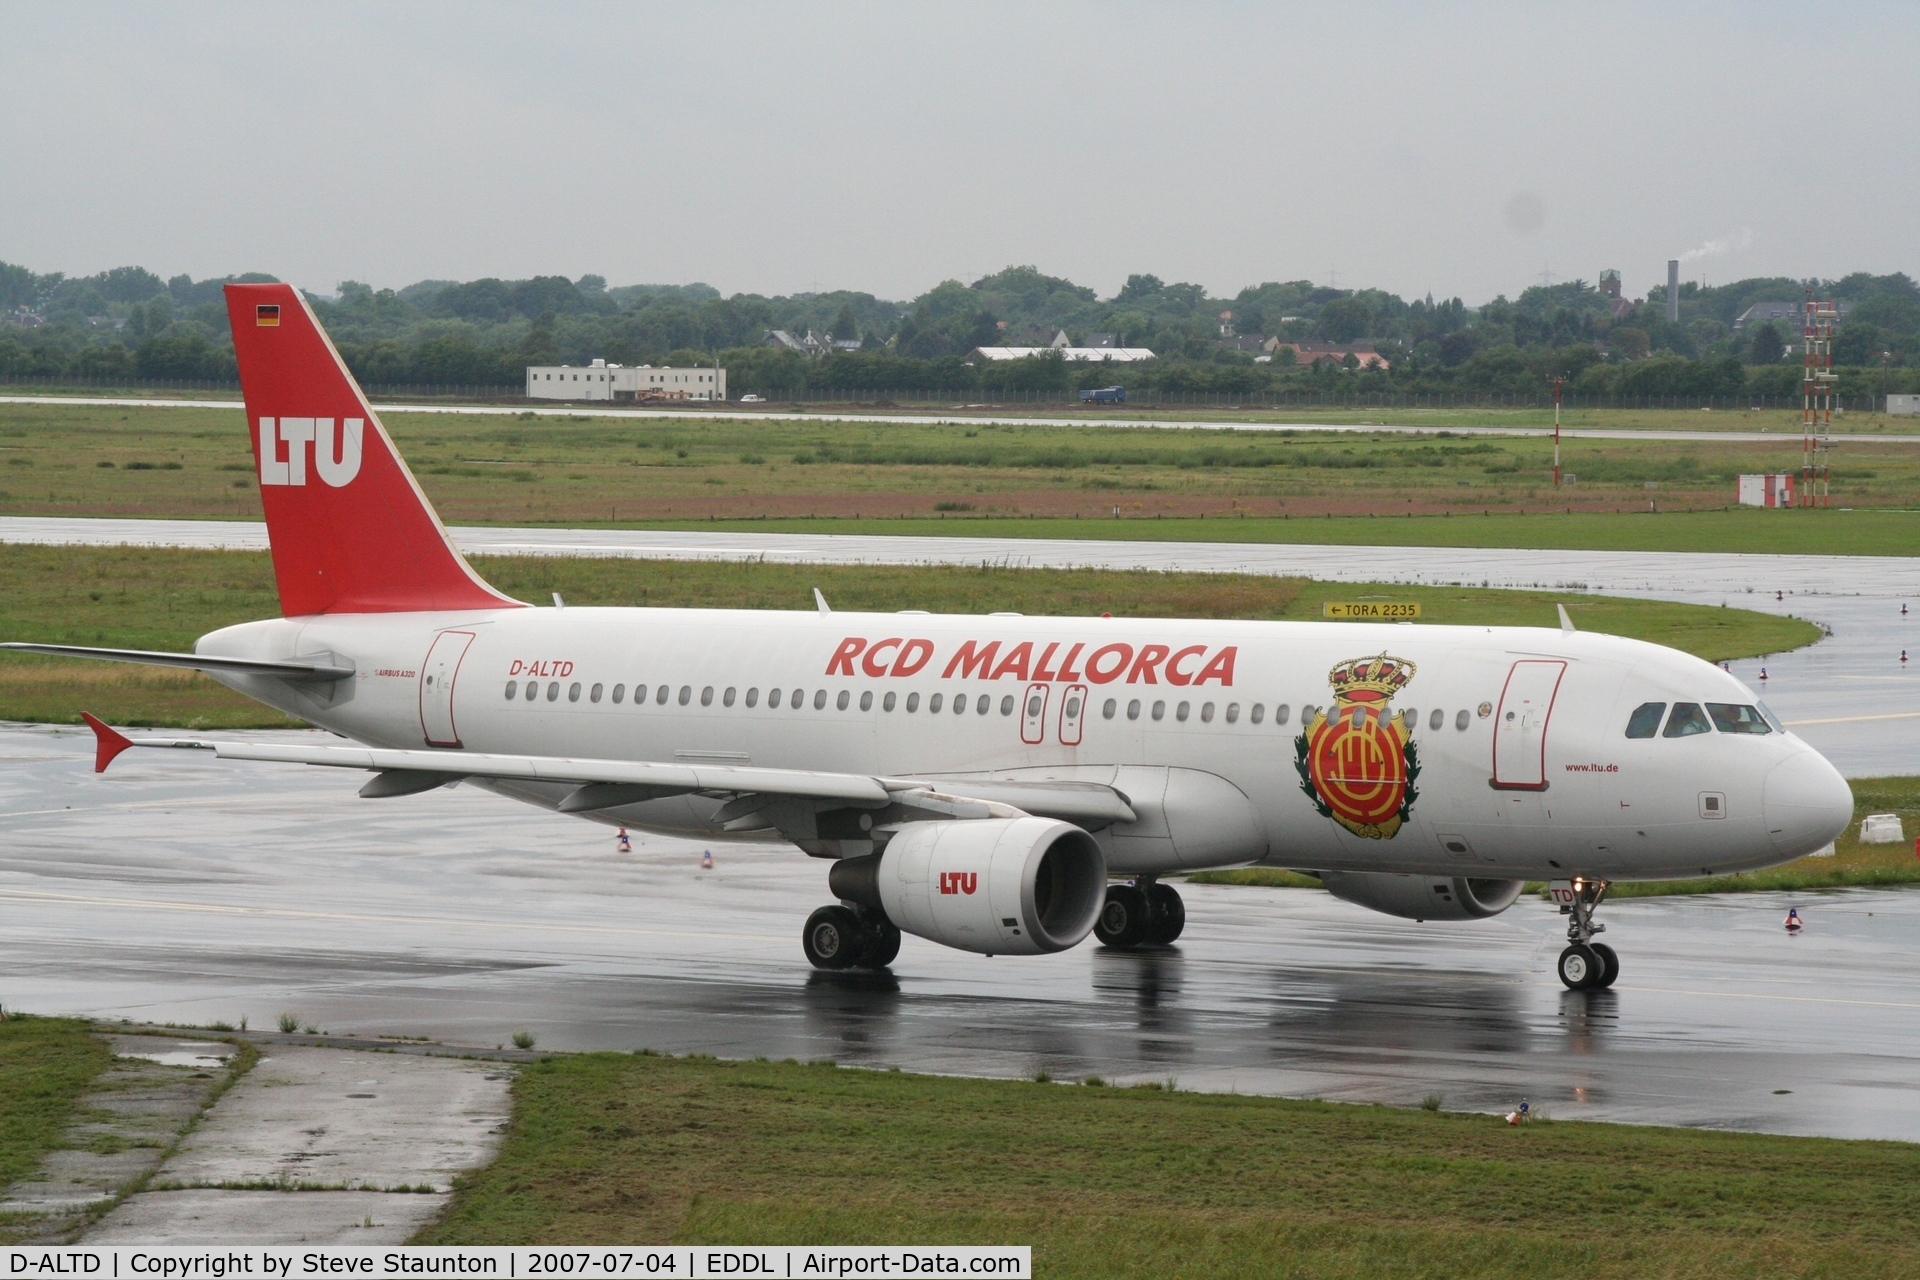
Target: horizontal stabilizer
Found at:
320, 671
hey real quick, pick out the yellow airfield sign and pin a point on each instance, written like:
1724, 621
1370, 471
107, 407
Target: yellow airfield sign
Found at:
1372, 610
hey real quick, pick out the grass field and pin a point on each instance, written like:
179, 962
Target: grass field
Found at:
45, 1065
1146, 1182
1037, 481
153, 598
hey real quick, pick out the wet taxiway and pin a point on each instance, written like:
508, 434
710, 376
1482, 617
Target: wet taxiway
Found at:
996, 415
178, 888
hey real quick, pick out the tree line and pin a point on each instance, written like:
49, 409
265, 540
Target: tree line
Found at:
130, 323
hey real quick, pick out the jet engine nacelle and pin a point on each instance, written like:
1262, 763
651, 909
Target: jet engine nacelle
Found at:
997, 886
1422, 897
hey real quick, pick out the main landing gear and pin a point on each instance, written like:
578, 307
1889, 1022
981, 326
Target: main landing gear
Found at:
1140, 913
1586, 965
850, 937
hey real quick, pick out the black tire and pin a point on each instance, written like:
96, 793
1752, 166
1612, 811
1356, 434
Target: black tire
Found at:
1580, 968
883, 944
1609, 964
833, 938
1125, 919
1169, 914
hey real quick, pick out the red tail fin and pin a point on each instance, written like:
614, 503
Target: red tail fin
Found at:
351, 531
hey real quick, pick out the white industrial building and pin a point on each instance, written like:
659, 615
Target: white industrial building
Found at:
603, 381
1096, 355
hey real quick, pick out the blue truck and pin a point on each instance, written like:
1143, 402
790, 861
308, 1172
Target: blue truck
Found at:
1105, 395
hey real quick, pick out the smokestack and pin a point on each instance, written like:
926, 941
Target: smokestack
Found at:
1673, 291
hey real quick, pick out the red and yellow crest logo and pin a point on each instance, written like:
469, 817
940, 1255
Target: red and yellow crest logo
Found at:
1356, 759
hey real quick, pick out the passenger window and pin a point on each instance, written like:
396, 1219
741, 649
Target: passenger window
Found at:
1460, 721
706, 696
753, 697
960, 704
1280, 714
726, 699
1073, 707
886, 703
1687, 719
866, 700
573, 692
1731, 717
533, 690
639, 694
1233, 712
686, 694
1034, 704
1159, 711
620, 693
513, 687
840, 703
1437, 719
1410, 718
594, 694
1108, 708
773, 699
1133, 709
820, 700
1645, 720
660, 696
983, 704
913, 703
1258, 713
553, 691
934, 703
1180, 712
1006, 706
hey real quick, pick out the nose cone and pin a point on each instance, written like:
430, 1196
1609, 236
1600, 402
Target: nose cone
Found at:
1807, 803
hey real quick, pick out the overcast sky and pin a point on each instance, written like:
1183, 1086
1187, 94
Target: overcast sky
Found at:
778, 148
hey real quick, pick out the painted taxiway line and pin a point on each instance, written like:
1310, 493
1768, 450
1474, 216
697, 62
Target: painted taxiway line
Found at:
1004, 420
1894, 715
438, 922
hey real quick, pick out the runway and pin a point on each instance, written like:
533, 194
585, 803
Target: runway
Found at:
977, 415
1849, 695
183, 889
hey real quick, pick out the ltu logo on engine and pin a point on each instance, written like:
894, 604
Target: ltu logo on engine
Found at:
297, 434
959, 881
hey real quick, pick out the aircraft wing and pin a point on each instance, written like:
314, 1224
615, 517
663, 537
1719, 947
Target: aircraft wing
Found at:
322, 669
606, 784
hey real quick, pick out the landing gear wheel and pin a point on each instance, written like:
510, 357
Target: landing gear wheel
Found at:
1609, 964
1581, 967
1169, 914
833, 938
883, 944
1125, 919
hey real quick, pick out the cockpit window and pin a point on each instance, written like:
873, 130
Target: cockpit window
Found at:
1731, 717
1687, 719
1645, 721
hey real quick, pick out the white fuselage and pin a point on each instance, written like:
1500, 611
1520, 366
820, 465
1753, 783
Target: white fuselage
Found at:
1524, 769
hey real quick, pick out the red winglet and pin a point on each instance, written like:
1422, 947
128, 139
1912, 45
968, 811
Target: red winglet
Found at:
109, 743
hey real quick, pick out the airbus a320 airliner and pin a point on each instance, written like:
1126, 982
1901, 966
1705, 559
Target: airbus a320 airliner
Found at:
1002, 784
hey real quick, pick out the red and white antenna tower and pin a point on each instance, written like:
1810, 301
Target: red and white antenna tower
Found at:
1816, 398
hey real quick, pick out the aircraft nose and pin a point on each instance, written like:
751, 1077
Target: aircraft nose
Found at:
1807, 803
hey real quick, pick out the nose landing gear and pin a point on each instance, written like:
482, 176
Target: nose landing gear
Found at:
1142, 913
1585, 965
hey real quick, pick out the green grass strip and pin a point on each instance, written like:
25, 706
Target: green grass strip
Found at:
1147, 1182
